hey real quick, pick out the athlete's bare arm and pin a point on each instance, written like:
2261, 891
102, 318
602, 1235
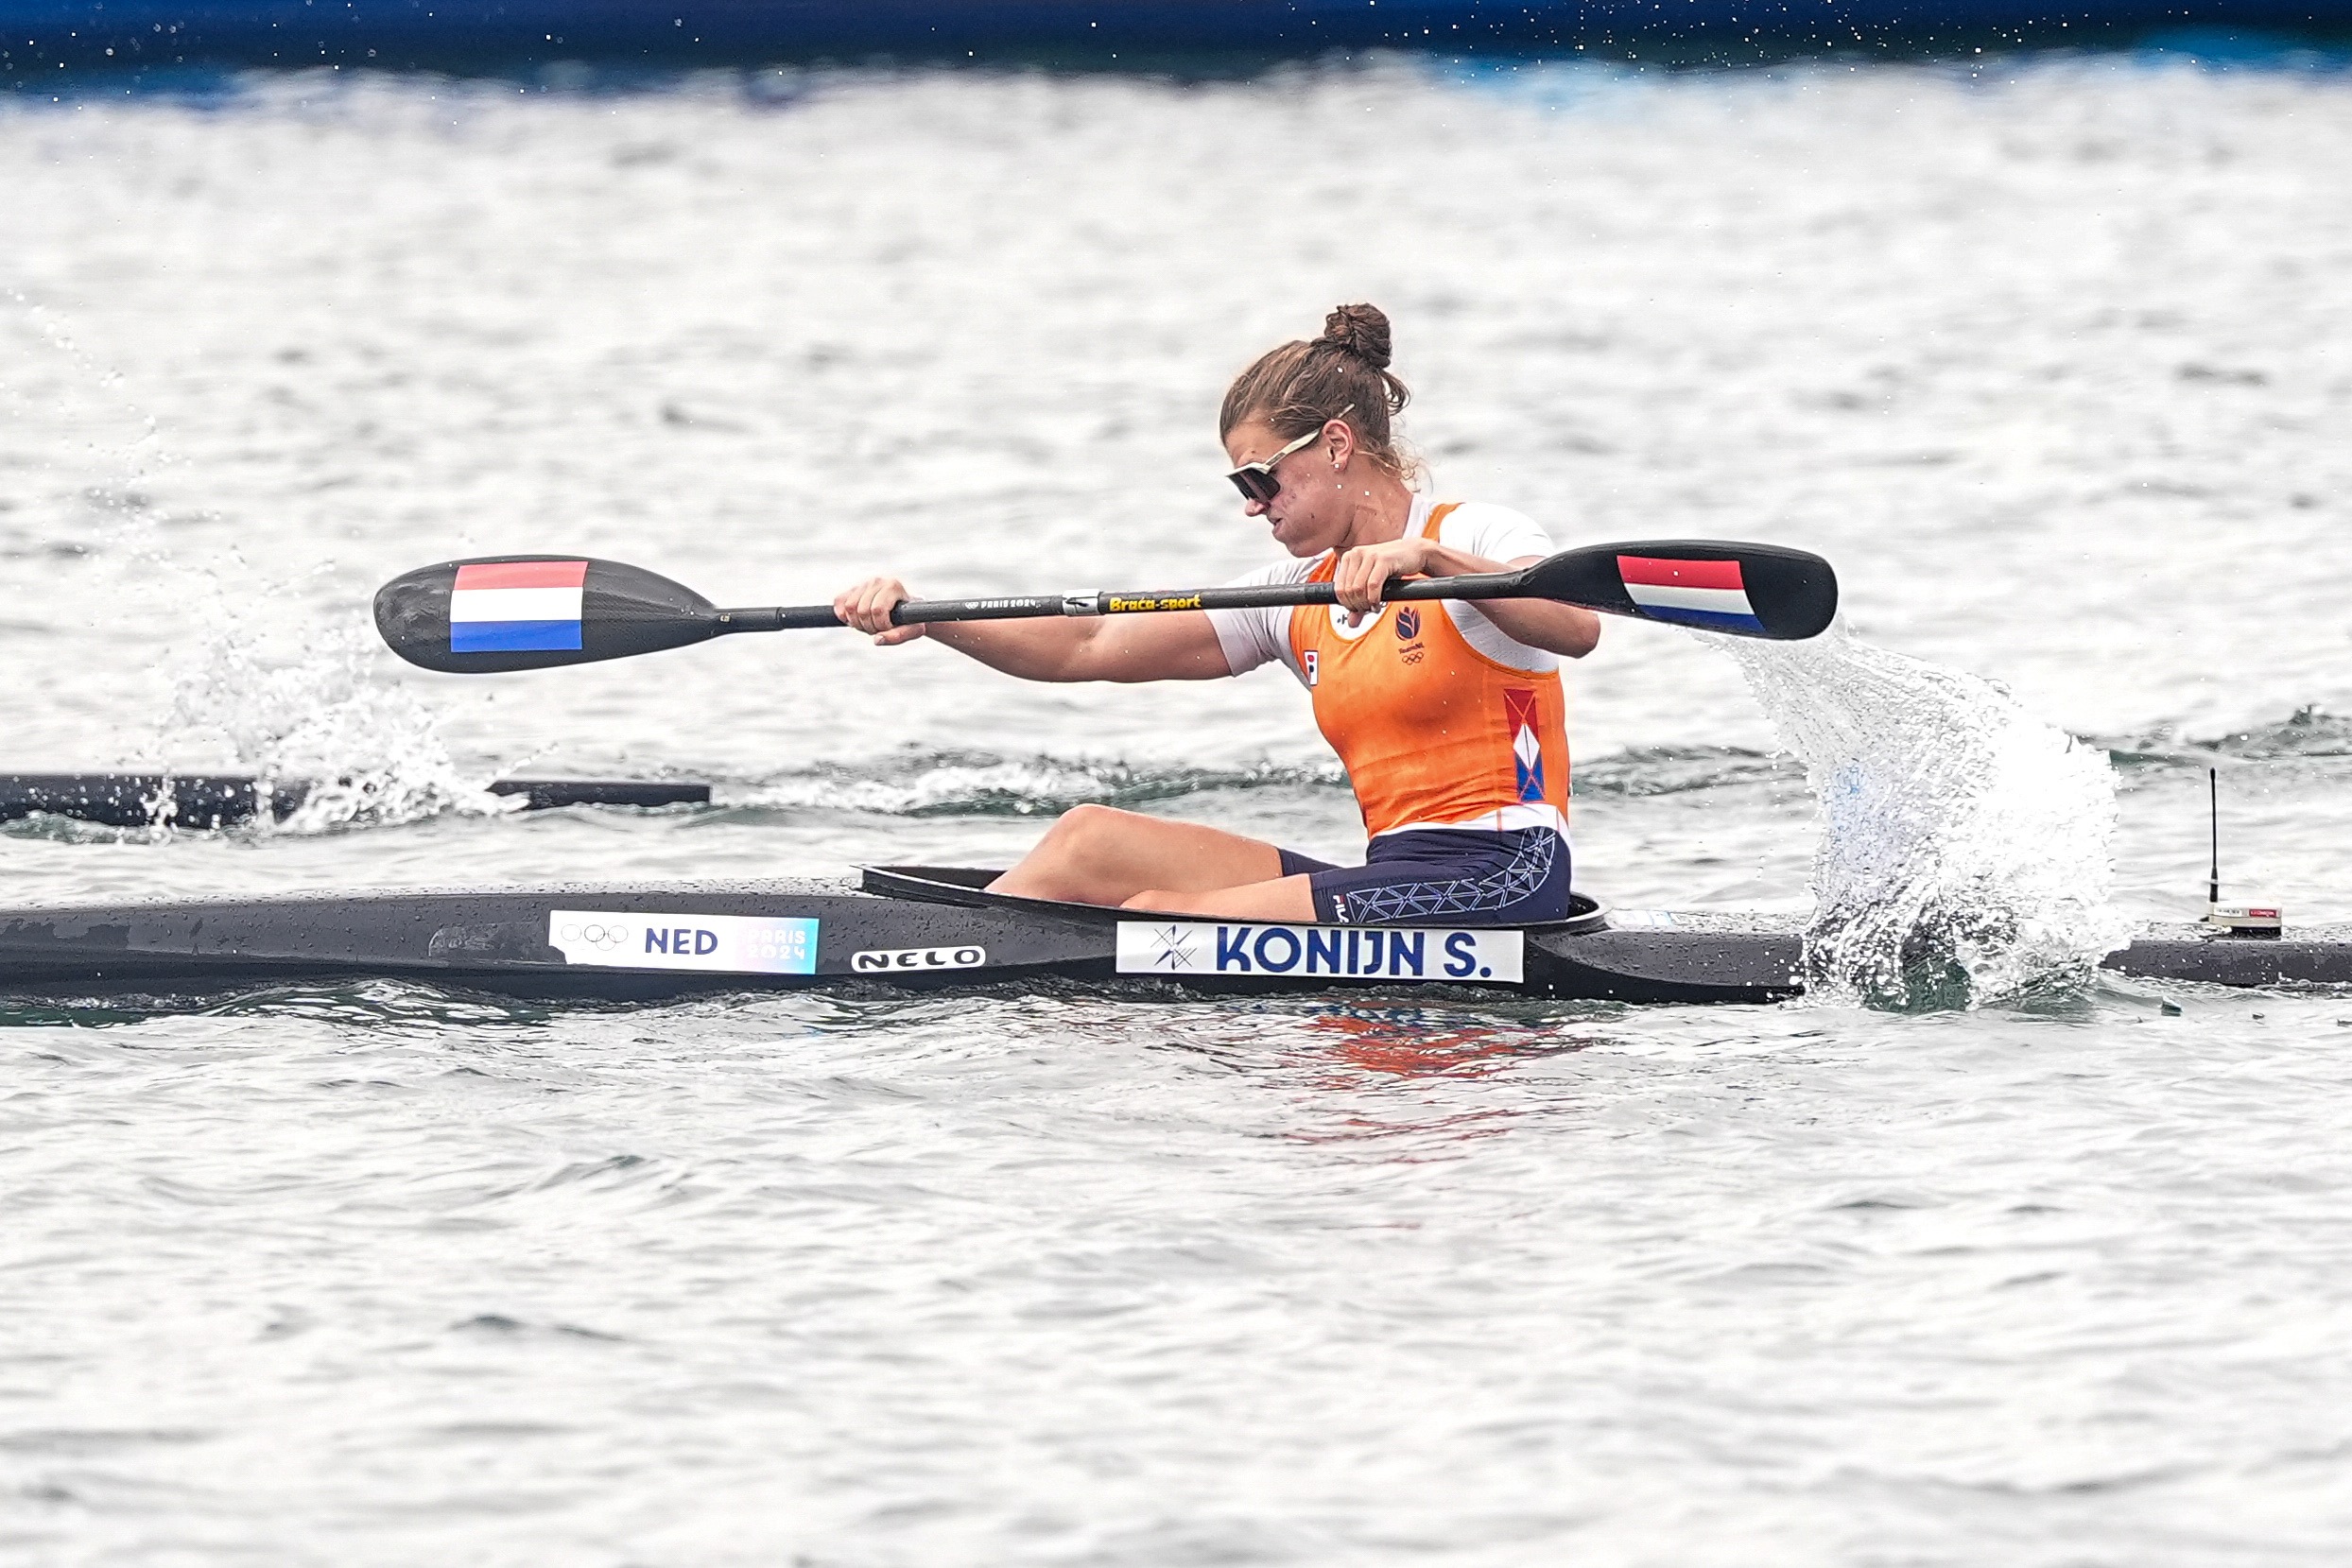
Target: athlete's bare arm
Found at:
1564, 629
1178, 645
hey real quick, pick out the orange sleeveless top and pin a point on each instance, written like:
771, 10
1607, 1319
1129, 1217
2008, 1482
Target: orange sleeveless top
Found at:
1432, 732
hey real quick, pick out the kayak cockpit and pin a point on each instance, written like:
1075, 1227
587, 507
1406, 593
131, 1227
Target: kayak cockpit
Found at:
967, 887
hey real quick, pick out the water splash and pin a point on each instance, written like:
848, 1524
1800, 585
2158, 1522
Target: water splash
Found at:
371, 752
1966, 846
312, 714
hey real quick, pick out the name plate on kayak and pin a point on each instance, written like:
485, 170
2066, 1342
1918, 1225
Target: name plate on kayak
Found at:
732, 944
1322, 951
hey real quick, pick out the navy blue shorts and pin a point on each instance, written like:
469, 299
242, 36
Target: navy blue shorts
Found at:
1444, 876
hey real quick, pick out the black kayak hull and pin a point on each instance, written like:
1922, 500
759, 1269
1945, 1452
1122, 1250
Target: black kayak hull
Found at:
922, 929
528, 943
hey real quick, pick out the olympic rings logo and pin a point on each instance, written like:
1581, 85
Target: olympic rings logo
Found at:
597, 935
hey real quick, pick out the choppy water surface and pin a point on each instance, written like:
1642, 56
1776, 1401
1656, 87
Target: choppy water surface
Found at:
2049, 358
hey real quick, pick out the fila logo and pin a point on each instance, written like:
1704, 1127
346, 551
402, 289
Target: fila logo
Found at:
1310, 666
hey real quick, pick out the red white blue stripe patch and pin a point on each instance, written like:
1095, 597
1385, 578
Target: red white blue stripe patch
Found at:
516, 606
1709, 593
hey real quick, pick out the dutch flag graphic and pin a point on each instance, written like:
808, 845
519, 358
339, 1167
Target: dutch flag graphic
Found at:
1709, 593
516, 606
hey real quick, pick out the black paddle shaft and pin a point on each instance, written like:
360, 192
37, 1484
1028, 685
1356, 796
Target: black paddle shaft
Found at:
1801, 588
447, 617
1498, 585
1493, 585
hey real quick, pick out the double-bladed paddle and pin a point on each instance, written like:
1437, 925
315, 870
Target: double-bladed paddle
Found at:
528, 613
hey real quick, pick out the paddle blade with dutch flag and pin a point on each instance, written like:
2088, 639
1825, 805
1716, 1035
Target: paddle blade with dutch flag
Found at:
529, 612
1747, 589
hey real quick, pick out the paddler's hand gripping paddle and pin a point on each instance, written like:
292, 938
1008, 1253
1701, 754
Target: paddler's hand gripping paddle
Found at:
529, 612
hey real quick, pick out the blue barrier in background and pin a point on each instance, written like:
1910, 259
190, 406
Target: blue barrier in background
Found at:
39, 37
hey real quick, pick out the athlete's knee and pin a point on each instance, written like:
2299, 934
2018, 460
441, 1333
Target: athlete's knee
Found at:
1070, 860
1083, 829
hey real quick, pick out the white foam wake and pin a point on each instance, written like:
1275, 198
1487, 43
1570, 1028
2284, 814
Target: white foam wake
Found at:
371, 752
1965, 852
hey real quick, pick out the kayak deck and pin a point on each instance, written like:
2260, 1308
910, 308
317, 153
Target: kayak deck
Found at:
932, 927
915, 927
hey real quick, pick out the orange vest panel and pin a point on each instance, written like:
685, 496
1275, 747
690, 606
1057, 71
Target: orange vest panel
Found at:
1432, 730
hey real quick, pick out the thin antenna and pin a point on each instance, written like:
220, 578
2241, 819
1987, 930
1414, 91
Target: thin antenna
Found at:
2213, 797
2235, 920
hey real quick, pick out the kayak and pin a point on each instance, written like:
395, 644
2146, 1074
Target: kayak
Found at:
931, 928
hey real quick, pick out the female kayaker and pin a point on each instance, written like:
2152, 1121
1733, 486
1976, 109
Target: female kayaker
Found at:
1448, 716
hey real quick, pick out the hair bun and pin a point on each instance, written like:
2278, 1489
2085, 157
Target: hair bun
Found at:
1358, 330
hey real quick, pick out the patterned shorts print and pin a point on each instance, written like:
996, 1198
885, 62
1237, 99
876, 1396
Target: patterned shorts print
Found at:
1444, 876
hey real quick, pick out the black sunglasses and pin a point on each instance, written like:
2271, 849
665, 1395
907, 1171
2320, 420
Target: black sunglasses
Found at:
1256, 481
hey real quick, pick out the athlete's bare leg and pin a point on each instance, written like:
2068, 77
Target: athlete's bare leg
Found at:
1096, 855
1286, 897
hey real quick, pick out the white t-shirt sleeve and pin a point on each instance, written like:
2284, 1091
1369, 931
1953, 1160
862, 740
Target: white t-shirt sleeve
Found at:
1262, 636
1501, 535
1255, 637
1497, 533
